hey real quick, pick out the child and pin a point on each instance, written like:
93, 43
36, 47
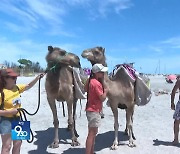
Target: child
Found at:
96, 94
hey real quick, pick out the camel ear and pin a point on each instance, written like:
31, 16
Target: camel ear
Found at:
50, 48
103, 50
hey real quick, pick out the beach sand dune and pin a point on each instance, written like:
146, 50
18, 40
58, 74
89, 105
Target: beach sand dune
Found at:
153, 125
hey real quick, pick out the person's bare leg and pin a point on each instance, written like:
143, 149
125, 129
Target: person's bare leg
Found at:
6, 144
92, 149
91, 140
176, 132
16, 147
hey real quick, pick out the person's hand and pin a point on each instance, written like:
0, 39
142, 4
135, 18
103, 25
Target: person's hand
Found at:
172, 106
40, 76
13, 111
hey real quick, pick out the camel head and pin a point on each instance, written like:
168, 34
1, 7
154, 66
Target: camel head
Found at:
60, 56
95, 55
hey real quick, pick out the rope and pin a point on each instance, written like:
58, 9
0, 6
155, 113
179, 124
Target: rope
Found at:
23, 112
53, 68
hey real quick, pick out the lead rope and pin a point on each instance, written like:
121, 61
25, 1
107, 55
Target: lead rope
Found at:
24, 112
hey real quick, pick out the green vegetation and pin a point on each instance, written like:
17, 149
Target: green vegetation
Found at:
25, 67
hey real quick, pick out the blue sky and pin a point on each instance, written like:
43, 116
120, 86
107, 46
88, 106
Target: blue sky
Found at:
146, 32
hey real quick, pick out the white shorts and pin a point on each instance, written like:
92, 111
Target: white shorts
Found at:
94, 119
177, 111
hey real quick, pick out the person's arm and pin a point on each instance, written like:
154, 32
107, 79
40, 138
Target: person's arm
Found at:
8, 112
104, 95
33, 82
176, 86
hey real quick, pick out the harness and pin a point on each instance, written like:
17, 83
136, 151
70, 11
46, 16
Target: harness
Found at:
54, 65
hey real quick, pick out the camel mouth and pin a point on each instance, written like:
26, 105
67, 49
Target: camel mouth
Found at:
84, 55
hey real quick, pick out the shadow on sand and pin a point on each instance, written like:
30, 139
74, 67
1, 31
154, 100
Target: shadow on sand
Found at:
105, 140
165, 143
45, 137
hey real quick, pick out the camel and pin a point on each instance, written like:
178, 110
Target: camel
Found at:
59, 86
120, 93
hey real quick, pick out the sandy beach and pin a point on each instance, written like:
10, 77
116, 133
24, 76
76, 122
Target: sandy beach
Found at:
153, 125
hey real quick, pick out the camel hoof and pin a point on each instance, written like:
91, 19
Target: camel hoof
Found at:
134, 138
76, 134
114, 147
132, 145
75, 143
54, 145
126, 133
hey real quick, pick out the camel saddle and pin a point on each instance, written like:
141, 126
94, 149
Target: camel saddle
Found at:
141, 82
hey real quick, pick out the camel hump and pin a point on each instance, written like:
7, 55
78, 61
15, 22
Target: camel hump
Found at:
127, 69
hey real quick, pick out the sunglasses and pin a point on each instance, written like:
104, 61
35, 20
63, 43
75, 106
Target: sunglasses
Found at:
11, 77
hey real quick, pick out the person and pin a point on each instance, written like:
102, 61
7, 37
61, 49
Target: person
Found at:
176, 115
9, 103
96, 94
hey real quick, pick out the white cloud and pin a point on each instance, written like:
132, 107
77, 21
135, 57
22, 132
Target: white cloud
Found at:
48, 14
50, 11
28, 49
155, 48
31, 14
12, 51
108, 6
173, 42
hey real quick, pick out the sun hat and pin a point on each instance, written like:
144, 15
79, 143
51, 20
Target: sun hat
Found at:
99, 68
8, 72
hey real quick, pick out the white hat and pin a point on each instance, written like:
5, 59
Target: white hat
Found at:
99, 68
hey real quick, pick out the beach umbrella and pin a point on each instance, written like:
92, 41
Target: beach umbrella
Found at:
172, 77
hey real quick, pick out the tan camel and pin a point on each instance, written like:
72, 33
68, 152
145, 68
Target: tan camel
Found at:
121, 93
59, 86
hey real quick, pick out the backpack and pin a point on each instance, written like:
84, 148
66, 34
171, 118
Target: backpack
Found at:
2, 99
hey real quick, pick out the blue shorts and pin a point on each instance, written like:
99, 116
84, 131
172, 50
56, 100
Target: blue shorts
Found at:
5, 124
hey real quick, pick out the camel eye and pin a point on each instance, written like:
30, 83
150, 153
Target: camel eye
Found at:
96, 52
62, 52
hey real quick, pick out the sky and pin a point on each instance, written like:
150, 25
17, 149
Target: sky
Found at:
146, 32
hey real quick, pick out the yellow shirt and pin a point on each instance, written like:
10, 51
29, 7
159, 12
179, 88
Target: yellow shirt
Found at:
12, 98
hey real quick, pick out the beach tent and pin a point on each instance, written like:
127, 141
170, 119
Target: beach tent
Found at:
172, 77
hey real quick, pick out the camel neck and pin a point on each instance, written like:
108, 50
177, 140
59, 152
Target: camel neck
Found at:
106, 79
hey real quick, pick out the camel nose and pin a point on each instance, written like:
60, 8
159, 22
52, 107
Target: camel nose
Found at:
84, 54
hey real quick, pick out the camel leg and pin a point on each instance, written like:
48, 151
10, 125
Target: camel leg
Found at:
126, 130
71, 123
74, 116
130, 111
55, 143
116, 127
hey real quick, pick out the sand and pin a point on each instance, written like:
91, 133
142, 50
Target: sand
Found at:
153, 125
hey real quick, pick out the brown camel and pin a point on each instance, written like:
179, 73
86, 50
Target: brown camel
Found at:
121, 93
59, 86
